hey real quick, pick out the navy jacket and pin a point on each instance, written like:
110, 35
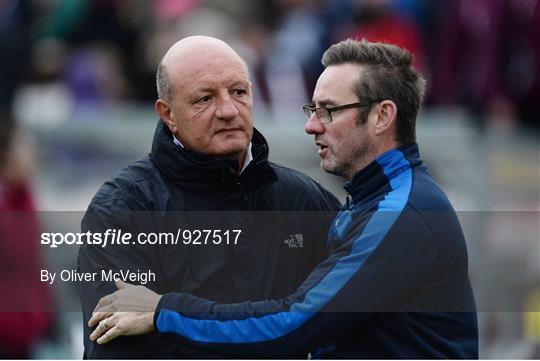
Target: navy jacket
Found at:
395, 284
283, 215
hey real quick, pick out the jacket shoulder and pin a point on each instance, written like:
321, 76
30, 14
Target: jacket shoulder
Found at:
427, 194
130, 188
429, 202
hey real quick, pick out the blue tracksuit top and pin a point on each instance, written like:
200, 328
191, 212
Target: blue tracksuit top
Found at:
395, 283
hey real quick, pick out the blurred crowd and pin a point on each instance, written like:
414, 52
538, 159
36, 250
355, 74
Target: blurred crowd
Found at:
81, 55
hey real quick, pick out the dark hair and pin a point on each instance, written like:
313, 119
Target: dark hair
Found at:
162, 83
386, 73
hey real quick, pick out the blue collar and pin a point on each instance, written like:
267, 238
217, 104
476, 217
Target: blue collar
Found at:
377, 175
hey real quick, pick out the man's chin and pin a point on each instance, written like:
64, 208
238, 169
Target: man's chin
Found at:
332, 169
326, 167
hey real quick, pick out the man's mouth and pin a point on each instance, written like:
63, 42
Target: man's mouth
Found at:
321, 145
228, 130
322, 149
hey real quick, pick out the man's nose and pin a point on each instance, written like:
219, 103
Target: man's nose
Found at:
226, 108
314, 125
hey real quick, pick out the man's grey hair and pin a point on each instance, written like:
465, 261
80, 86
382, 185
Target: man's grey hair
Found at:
162, 83
386, 73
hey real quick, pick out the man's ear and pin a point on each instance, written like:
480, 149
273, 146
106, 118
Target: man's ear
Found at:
386, 116
165, 113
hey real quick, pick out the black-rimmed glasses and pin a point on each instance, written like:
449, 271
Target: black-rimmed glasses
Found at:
325, 114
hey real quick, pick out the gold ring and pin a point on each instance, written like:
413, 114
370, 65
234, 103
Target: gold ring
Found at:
105, 324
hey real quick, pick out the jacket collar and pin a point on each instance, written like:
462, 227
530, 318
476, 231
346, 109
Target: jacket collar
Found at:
375, 178
199, 172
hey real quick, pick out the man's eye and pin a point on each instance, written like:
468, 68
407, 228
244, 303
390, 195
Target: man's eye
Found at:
204, 99
239, 92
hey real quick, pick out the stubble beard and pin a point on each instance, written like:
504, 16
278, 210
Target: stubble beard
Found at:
359, 159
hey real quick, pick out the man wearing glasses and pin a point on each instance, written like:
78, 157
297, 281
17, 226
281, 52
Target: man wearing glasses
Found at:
395, 284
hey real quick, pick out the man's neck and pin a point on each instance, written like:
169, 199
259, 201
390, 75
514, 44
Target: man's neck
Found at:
373, 154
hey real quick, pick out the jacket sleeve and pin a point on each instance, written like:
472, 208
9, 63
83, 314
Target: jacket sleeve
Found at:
95, 258
377, 262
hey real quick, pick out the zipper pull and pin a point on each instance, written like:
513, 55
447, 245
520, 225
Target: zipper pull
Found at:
348, 201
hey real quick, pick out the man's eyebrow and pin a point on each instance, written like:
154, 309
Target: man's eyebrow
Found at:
240, 82
211, 88
203, 89
323, 102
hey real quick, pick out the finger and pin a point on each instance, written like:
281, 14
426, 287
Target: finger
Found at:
100, 330
97, 317
121, 284
110, 335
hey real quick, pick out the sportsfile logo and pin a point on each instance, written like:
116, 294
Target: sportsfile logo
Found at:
295, 241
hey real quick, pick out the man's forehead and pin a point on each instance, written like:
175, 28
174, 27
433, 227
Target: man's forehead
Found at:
210, 68
347, 73
209, 73
209, 83
336, 83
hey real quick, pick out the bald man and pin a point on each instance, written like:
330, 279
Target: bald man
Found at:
245, 228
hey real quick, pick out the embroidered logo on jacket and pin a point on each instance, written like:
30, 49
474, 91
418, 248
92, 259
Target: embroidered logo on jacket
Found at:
295, 241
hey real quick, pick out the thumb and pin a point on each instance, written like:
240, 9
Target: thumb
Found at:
121, 284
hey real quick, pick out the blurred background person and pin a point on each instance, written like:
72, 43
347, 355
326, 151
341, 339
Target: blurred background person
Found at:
19, 251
